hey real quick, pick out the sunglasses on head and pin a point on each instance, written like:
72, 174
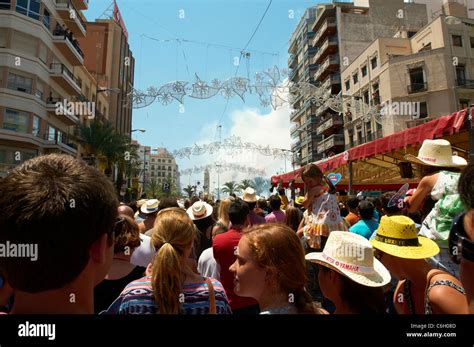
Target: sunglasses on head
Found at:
459, 243
119, 223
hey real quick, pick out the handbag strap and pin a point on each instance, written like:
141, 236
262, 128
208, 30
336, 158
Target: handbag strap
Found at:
212, 297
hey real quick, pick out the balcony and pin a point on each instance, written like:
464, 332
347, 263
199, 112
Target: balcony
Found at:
332, 141
330, 65
81, 4
330, 125
464, 83
292, 61
68, 46
327, 28
331, 80
296, 114
68, 118
329, 47
65, 78
62, 143
65, 8
417, 87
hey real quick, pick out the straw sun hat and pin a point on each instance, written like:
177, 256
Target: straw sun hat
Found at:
436, 153
249, 195
199, 210
352, 256
397, 236
150, 206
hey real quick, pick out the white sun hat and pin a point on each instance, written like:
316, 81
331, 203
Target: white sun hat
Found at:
436, 153
199, 210
352, 256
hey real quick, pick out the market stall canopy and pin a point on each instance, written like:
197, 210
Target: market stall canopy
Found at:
375, 165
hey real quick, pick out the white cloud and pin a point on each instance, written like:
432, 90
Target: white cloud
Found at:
266, 129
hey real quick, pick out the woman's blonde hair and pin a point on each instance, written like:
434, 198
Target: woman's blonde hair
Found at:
277, 246
223, 213
173, 233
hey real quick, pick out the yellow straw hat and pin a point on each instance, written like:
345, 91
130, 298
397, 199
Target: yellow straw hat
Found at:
397, 236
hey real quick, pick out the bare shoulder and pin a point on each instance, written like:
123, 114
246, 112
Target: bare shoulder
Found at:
446, 299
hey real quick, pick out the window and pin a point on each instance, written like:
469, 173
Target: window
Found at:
355, 78
464, 103
153, 166
461, 75
36, 126
365, 96
152, 160
472, 42
16, 120
43, 53
46, 18
20, 83
5, 4
410, 34
457, 40
29, 8
39, 93
426, 47
364, 70
423, 110
348, 84
3, 37
169, 161
24, 43
417, 80
373, 62
376, 94
51, 133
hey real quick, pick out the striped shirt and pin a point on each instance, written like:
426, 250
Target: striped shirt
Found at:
138, 298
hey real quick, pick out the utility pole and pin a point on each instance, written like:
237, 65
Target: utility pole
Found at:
218, 166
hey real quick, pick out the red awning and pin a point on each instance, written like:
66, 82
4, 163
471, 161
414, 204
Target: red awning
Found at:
437, 128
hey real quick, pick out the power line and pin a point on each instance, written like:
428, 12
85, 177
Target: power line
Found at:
258, 25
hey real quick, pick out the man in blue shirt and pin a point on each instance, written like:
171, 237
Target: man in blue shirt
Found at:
367, 225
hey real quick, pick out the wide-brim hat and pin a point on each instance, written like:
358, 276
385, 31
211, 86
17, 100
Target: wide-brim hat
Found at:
352, 256
150, 206
299, 200
397, 236
436, 153
199, 210
249, 195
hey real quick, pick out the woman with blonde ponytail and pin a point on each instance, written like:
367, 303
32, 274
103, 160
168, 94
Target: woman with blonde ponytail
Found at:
171, 287
270, 268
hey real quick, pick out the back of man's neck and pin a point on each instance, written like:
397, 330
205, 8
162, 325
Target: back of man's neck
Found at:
60, 301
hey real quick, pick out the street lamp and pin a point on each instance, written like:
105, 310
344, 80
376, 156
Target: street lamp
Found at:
144, 167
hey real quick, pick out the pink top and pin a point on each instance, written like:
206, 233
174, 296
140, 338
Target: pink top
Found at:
276, 217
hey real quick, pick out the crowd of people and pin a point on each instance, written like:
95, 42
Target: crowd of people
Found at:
408, 252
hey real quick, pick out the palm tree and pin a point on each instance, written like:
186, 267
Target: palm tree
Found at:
261, 185
244, 184
230, 188
189, 190
152, 189
102, 141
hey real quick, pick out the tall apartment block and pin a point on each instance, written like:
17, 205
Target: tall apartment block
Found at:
110, 60
327, 39
40, 59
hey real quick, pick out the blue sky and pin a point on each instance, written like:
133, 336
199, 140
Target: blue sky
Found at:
229, 23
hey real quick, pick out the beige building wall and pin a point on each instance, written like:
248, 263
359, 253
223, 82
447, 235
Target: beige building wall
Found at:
445, 69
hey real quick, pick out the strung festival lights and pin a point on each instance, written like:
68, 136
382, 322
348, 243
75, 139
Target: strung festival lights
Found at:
272, 88
220, 167
232, 147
